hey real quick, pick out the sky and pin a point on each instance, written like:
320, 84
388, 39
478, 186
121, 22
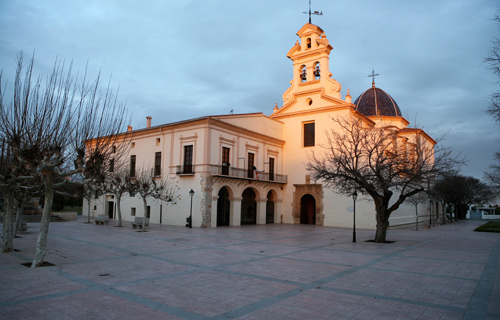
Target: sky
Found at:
176, 60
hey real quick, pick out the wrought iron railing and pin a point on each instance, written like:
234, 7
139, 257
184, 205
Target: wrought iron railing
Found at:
233, 172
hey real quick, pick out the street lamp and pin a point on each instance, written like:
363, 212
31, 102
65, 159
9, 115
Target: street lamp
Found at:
354, 197
191, 194
430, 212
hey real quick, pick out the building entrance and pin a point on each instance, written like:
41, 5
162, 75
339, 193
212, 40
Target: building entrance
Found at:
223, 208
248, 207
307, 209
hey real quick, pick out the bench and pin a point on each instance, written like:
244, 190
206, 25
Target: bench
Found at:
138, 222
102, 219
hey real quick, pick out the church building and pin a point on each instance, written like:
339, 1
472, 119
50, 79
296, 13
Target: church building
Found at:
251, 168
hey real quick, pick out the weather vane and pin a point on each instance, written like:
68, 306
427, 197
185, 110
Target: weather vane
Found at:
373, 75
313, 12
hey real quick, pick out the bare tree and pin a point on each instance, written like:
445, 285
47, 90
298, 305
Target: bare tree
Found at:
117, 183
147, 185
360, 156
48, 123
493, 60
461, 192
15, 187
493, 174
415, 200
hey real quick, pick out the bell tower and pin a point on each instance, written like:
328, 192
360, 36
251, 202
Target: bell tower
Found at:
311, 68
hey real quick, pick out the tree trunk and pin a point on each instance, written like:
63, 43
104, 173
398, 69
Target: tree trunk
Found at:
44, 224
462, 211
416, 216
444, 212
145, 213
382, 223
19, 216
8, 230
118, 197
380, 234
88, 210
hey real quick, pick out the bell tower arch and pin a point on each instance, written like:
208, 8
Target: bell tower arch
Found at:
311, 67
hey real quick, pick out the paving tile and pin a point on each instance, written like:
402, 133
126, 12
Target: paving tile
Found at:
288, 270
252, 272
208, 293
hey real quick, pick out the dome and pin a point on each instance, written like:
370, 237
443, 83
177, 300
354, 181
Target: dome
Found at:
377, 102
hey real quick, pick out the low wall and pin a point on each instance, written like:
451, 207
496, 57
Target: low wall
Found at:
67, 216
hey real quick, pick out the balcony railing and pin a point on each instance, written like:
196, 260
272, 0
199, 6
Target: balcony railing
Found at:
232, 172
184, 170
246, 174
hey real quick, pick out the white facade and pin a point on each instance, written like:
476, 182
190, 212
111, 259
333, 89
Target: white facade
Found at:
224, 149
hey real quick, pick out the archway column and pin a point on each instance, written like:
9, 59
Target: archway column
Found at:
278, 205
235, 212
213, 218
261, 210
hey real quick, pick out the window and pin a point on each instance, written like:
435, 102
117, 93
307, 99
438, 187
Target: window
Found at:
157, 141
188, 159
132, 212
225, 161
157, 164
132, 166
271, 169
251, 166
309, 134
148, 213
112, 165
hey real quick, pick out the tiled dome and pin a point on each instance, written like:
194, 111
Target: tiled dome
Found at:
377, 102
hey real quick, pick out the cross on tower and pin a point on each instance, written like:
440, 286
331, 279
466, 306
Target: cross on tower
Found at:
373, 75
311, 12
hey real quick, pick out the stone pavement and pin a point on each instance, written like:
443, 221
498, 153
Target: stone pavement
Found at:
253, 272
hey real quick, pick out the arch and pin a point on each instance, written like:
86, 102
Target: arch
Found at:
270, 207
317, 70
307, 209
308, 43
303, 73
223, 208
249, 207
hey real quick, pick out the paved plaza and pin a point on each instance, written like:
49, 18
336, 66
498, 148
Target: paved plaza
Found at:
253, 272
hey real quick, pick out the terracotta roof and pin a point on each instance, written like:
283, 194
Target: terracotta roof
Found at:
377, 102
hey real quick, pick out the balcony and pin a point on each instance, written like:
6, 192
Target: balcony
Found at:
239, 173
231, 172
184, 170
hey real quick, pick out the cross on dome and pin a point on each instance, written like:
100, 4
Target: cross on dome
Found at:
373, 75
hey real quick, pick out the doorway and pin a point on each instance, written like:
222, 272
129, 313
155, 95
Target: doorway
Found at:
223, 208
110, 209
308, 209
270, 207
248, 207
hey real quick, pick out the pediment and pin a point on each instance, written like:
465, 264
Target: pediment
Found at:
310, 101
309, 29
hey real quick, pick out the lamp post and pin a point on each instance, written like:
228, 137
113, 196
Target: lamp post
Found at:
191, 194
430, 212
354, 197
